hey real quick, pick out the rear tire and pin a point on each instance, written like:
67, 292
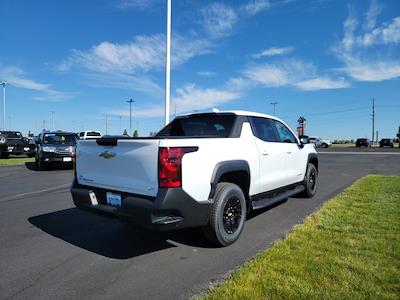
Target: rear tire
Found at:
310, 181
227, 215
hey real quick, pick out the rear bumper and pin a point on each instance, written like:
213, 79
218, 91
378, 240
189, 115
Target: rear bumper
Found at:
170, 209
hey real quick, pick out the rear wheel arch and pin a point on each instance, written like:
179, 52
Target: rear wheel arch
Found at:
233, 171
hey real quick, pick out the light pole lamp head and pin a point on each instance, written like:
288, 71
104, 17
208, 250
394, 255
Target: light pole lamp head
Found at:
4, 83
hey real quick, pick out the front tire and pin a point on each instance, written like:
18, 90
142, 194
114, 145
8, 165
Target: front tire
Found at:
310, 181
40, 165
227, 216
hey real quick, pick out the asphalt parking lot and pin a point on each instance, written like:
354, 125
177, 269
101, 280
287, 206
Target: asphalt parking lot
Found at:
51, 250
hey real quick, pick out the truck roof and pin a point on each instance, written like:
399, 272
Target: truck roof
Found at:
235, 112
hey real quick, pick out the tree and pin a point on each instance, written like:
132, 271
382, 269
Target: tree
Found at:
125, 132
135, 133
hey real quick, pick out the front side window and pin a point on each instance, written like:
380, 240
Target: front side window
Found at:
284, 134
262, 128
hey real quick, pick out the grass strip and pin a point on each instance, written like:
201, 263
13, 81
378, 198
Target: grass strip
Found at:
349, 249
15, 161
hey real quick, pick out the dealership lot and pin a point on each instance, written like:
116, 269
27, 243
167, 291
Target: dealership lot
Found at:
49, 249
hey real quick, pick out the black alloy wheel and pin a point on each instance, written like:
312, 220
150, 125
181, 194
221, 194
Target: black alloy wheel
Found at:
232, 215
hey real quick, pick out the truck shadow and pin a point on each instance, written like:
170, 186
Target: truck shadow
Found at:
32, 166
111, 238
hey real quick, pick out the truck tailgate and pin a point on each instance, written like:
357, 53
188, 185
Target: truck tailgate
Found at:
131, 166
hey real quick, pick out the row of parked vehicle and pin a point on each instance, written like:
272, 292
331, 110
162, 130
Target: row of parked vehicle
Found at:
49, 147
363, 142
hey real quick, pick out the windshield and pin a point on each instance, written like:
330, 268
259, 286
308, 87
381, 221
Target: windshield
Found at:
59, 138
12, 135
199, 126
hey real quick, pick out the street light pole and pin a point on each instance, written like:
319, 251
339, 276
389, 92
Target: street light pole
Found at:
4, 83
274, 104
130, 115
52, 120
168, 63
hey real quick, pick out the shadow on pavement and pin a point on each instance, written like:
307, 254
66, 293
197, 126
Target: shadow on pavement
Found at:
111, 238
32, 166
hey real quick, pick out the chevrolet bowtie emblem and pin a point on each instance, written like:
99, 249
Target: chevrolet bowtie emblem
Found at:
107, 154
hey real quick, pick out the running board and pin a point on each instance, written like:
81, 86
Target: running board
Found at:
256, 204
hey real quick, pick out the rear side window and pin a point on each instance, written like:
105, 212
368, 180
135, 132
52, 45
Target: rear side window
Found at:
200, 126
262, 128
284, 134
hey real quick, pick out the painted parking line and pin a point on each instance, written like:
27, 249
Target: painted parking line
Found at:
34, 193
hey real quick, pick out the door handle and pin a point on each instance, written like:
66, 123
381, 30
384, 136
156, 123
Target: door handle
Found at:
289, 152
264, 152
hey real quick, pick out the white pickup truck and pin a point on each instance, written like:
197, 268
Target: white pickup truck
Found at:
204, 170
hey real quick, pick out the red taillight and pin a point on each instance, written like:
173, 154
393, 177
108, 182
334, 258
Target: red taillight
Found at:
169, 165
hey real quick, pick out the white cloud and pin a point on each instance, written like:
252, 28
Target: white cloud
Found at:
187, 99
371, 15
299, 74
372, 70
141, 83
143, 54
280, 74
273, 51
253, 7
16, 76
238, 84
138, 4
190, 98
218, 20
126, 65
367, 55
322, 83
206, 73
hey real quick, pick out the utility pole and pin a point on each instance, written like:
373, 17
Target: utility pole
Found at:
373, 119
44, 124
274, 104
106, 123
4, 83
168, 63
130, 115
52, 120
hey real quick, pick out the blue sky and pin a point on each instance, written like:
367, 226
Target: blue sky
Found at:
324, 60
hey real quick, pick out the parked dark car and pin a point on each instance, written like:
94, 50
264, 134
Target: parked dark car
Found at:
386, 143
55, 147
363, 143
12, 142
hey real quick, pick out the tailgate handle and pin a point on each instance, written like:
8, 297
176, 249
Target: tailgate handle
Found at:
108, 141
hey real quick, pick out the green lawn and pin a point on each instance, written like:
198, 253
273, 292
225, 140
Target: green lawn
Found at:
15, 161
349, 249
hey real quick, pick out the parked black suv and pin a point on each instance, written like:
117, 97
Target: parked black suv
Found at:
12, 142
363, 143
55, 147
386, 143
